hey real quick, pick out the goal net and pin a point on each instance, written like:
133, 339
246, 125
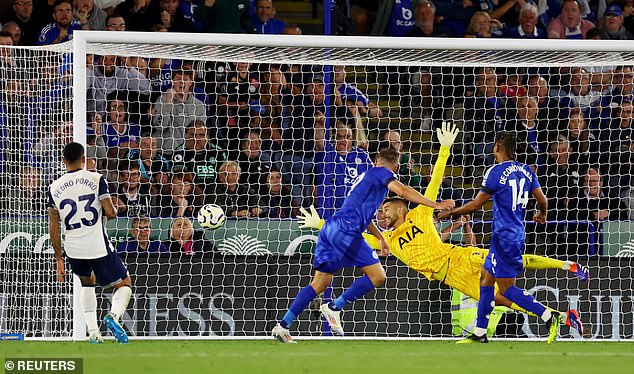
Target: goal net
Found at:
262, 126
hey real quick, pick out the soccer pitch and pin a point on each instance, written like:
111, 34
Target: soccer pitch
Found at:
336, 356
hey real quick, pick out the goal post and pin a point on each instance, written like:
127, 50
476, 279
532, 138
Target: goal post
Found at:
143, 103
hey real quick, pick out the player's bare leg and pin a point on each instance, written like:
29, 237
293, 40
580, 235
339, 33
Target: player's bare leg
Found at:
320, 281
120, 300
88, 300
374, 277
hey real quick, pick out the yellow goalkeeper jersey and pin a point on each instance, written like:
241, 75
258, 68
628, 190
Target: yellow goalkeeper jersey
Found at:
416, 242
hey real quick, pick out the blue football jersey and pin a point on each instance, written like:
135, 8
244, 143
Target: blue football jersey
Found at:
351, 93
510, 184
365, 197
402, 19
336, 174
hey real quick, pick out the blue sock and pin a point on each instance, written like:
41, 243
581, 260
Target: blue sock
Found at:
357, 289
526, 301
485, 307
303, 298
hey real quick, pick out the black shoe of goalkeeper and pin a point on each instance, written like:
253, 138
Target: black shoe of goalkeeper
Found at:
473, 338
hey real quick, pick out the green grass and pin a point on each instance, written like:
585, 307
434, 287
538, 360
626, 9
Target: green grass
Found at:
385, 357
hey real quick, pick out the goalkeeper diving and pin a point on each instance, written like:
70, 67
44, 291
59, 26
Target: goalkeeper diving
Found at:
413, 238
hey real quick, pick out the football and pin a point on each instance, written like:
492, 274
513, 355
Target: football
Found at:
211, 216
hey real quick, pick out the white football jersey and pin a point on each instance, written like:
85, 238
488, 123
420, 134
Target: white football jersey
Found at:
76, 196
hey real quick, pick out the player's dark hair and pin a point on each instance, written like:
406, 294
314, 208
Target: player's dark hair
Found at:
113, 15
183, 73
60, 2
139, 219
73, 152
396, 200
389, 155
573, 1
507, 141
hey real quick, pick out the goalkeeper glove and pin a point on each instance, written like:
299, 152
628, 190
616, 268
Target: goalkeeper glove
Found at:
309, 220
447, 134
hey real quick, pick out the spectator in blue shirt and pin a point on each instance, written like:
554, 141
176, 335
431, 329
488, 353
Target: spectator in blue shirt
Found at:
401, 19
61, 30
140, 241
337, 169
353, 97
528, 21
118, 133
152, 164
425, 18
263, 20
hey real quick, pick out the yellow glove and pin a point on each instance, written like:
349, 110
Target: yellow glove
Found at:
447, 134
309, 220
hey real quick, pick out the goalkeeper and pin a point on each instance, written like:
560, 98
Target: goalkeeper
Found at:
414, 240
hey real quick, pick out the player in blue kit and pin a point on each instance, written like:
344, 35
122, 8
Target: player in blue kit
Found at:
509, 183
77, 202
340, 243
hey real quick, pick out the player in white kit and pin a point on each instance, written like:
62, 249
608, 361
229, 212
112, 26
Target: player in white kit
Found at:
77, 202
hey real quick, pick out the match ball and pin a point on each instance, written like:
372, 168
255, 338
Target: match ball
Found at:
211, 216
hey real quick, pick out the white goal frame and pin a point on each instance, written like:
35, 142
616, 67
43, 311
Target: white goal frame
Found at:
82, 38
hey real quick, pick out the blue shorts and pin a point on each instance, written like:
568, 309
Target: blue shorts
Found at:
505, 257
339, 245
109, 269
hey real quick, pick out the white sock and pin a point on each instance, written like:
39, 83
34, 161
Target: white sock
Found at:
566, 265
89, 303
546, 315
479, 331
120, 301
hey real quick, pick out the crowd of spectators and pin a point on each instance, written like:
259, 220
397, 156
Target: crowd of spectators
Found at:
45, 22
261, 140
556, 19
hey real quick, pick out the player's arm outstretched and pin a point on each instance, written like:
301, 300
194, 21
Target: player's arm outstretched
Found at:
311, 220
408, 193
446, 136
470, 207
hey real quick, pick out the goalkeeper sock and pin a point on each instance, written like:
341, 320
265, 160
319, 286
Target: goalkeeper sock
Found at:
522, 310
357, 289
120, 301
303, 298
539, 262
485, 307
528, 302
89, 303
